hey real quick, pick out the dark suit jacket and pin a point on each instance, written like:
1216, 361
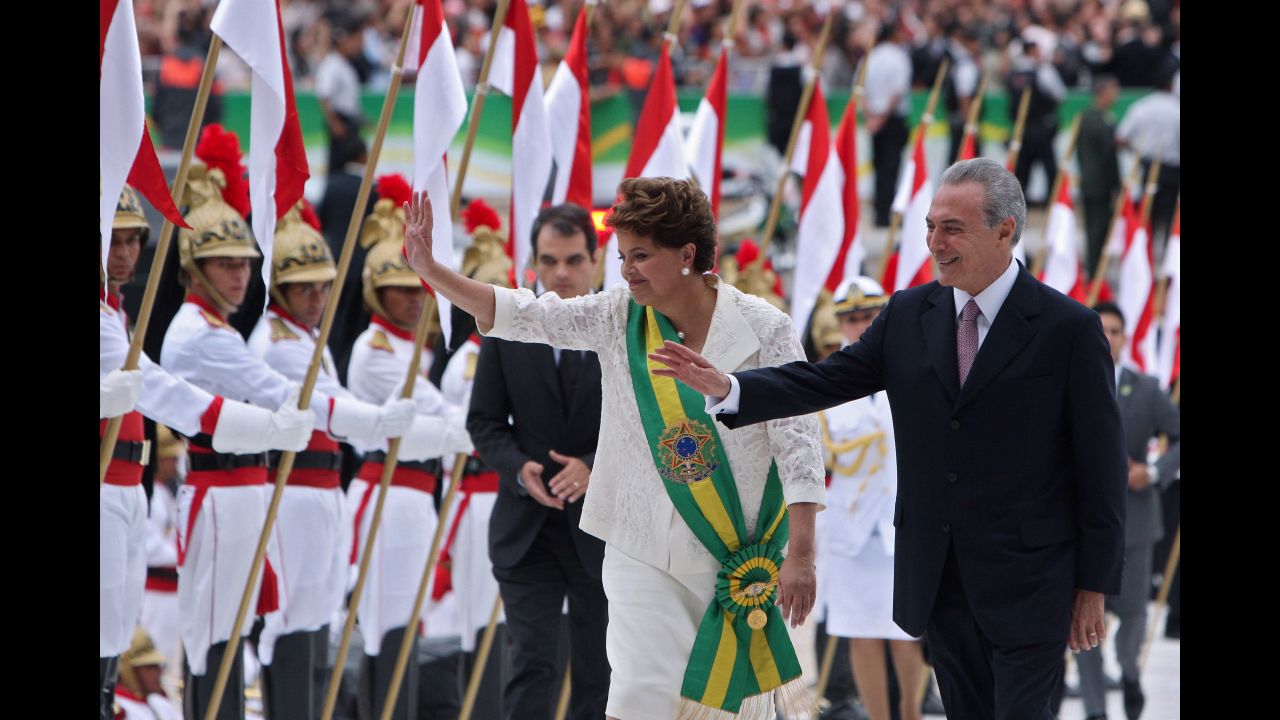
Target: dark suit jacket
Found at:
1022, 471
520, 381
1147, 413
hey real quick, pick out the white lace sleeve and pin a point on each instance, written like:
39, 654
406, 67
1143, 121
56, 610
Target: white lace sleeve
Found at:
582, 323
796, 441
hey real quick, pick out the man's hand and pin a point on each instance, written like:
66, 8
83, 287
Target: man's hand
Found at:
1139, 477
1087, 626
531, 476
418, 222
570, 484
691, 369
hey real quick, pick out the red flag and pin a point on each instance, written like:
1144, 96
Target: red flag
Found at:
705, 144
278, 168
849, 258
125, 152
516, 73
568, 100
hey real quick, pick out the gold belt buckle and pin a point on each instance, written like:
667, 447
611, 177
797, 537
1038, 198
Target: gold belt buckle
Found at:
146, 453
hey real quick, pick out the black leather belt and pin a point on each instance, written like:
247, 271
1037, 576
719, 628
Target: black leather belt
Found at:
201, 462
134, 452
163, 573
431, 467
308, 460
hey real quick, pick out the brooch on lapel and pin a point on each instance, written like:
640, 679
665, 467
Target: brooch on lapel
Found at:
1126, 390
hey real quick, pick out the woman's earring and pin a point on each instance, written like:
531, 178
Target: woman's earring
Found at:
684, 271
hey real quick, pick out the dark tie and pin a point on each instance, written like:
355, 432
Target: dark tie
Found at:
967, 339
570, 368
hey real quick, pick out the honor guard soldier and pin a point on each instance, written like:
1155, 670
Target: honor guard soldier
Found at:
379, 365
139, 695
312, 536
122, 520
160, 600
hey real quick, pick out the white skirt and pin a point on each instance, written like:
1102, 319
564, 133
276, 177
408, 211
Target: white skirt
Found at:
653, 620
859, 594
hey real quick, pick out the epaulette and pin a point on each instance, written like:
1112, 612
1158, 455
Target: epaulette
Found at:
380, 342
212, 319
469, 371
281, 331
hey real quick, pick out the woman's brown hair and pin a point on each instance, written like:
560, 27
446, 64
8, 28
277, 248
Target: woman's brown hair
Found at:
671, 212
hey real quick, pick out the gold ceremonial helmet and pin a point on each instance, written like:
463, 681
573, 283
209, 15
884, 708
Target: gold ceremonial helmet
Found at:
385, 265
141, 653
301, 254
384, 224
486, 260
217, 230
129, 214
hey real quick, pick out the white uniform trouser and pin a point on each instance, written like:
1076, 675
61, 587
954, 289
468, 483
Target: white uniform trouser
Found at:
474, 586
310, 546
219, 554
122, 564
395, 567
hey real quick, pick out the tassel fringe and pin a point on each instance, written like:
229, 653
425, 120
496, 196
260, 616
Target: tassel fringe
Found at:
792, 699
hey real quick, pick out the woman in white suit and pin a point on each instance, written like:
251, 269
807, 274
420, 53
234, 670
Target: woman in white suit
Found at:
691, 512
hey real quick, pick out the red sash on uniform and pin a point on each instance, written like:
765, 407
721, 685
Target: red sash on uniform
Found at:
485, 482
123, 472
269, 595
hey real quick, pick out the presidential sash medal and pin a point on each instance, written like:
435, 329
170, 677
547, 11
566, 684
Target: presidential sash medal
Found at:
757, 619
687, 449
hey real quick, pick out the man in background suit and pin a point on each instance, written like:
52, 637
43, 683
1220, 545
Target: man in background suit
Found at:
1011, 464
535, 418
1146, 413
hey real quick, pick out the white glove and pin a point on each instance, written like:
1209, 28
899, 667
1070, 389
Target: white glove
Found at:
118, 392
397, 417
353, 418
244, 428
424, 440
457, 440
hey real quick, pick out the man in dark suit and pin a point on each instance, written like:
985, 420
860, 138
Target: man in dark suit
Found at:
1011, 463
543, 455
1147, 413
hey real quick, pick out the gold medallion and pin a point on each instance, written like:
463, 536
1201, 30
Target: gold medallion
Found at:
757, 619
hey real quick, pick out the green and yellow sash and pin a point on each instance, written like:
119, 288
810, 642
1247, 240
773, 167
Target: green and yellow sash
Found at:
742, 648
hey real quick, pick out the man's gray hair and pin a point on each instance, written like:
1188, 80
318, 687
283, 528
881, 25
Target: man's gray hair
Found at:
1002, 193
